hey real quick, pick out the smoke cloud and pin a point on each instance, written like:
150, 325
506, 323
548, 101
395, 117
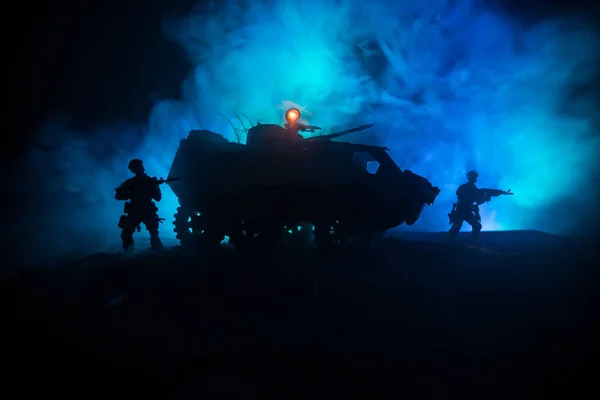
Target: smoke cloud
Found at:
451, 86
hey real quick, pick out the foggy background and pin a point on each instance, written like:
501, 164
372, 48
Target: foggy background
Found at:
508, 89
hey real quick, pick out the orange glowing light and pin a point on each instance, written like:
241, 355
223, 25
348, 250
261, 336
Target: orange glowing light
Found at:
292, 115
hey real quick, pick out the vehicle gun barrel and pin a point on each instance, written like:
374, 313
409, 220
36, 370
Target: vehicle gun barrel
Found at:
342, 133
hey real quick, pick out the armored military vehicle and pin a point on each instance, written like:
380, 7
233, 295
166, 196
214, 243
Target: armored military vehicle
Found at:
252, 192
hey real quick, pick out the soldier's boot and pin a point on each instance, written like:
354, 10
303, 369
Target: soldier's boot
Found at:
476, 233
127, 238
452, 234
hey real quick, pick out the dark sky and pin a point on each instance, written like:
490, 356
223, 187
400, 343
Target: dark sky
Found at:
86, 58
101, 61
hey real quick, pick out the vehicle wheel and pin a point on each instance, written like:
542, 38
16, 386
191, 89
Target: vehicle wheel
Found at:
299, 231
328, 235
193, 229
241, 235
254, 235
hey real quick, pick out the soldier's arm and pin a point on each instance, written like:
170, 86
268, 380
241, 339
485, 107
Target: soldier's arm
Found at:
482, 196
122, 192
157, 194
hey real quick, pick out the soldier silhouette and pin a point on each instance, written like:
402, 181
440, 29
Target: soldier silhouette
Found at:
467, 207
139, 191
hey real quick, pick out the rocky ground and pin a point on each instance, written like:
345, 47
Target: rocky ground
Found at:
513, 317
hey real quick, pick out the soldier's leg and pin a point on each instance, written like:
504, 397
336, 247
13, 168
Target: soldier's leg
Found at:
473, 220
127, 228
455, 228
152, 227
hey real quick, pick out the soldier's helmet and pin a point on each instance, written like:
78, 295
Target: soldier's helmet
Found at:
472, 175
135, 165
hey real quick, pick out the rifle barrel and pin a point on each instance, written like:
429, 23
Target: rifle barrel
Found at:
170, 180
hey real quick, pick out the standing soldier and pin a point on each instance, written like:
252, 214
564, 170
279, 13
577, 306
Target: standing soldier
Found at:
467, 207
140, 191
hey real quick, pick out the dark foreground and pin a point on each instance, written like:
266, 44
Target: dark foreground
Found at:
417, 317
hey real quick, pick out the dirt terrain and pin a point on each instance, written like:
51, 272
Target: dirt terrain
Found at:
514, 317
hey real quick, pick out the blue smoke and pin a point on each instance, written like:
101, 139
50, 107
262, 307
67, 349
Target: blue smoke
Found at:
451, 86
